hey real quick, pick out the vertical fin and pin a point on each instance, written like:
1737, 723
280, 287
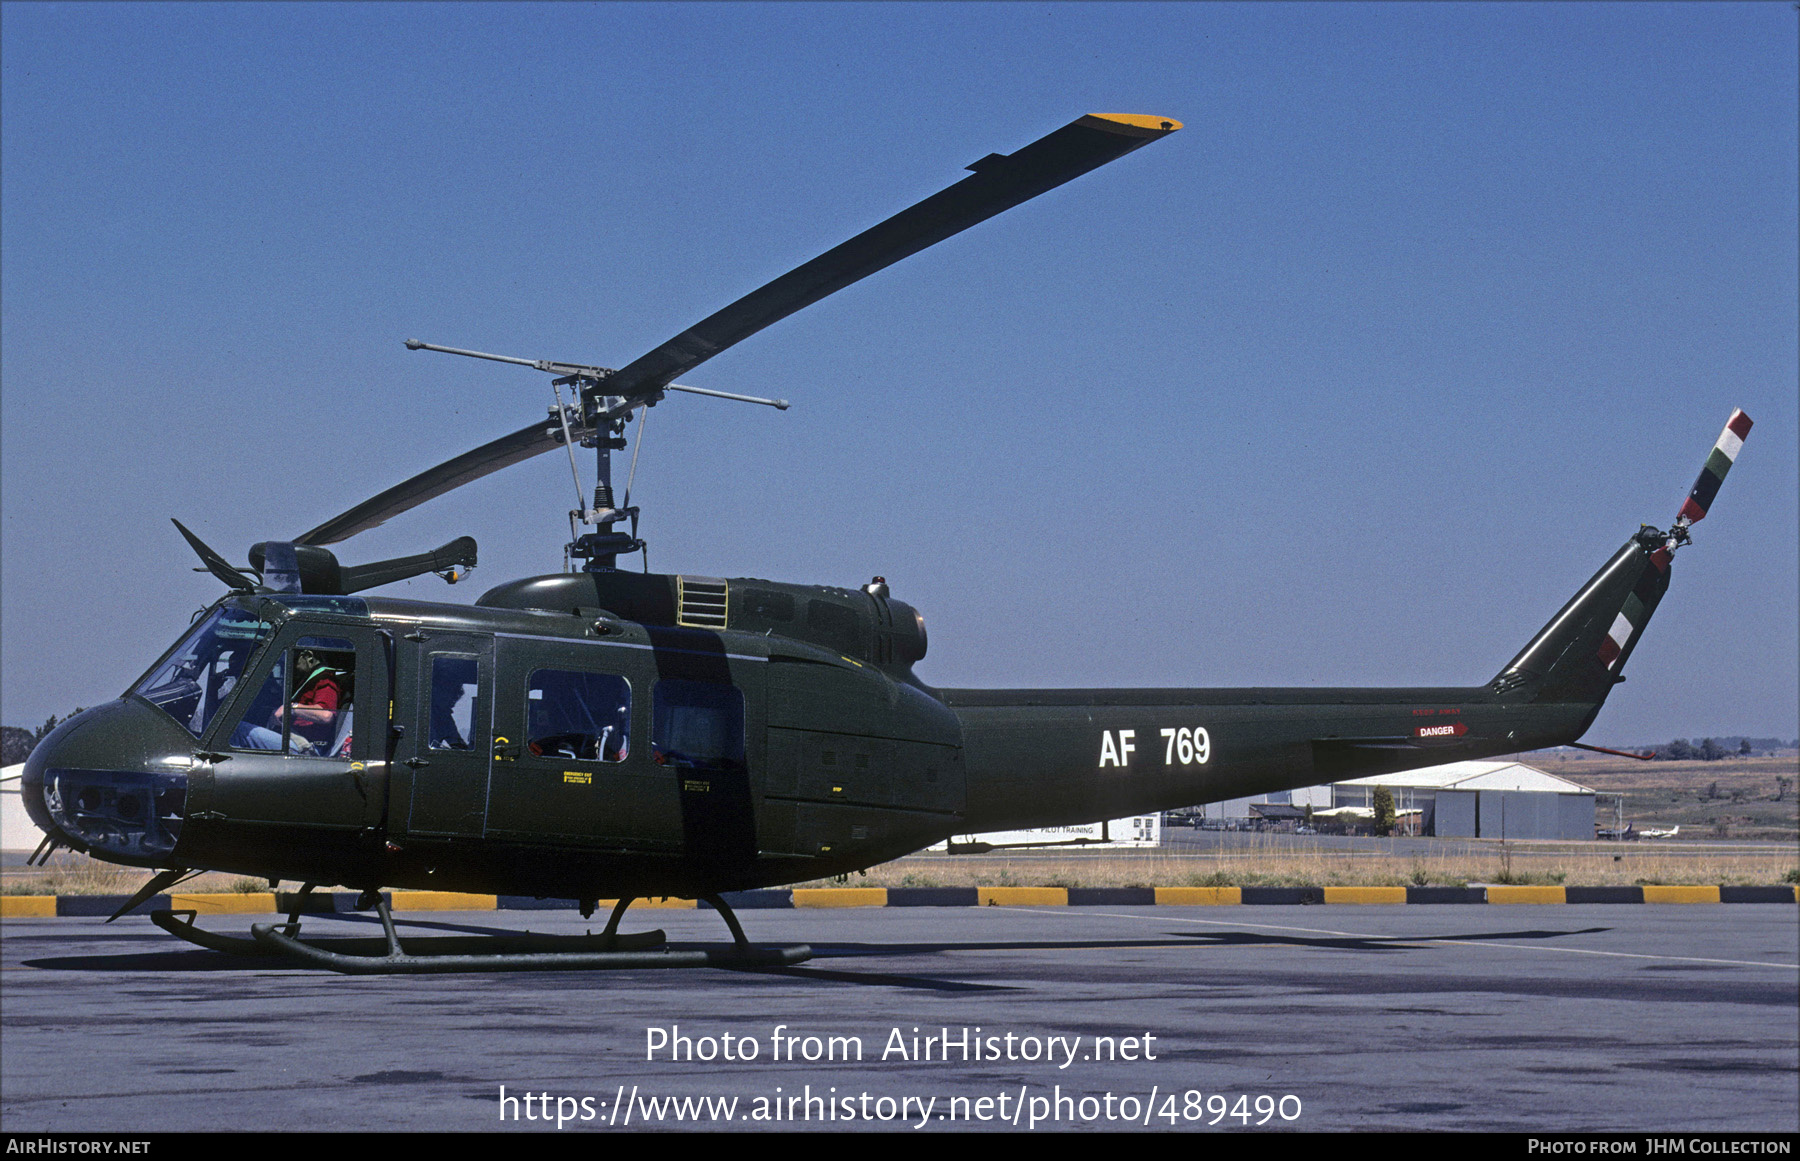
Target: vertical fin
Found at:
1577, 656
1634, 612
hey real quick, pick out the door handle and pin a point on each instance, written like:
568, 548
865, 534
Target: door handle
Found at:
504, 751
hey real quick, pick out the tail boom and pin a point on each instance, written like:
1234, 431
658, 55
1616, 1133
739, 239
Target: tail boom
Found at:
1051, 757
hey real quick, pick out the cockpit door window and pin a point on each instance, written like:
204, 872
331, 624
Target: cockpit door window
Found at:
254, 730
306, 705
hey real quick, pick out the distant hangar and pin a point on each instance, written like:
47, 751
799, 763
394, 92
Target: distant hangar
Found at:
1458, 800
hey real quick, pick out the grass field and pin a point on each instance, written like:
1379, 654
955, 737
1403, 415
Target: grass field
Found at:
1736, 798
1559, 864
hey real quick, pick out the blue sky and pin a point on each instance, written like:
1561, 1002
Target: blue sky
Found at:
1353, 381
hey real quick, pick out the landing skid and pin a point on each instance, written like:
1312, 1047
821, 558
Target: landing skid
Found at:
181, 925
484, 953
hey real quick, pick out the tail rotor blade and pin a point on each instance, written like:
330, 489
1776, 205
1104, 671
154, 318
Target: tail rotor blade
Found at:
1724, 454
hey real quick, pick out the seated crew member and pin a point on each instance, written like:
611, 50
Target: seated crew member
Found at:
320, 697
448, 688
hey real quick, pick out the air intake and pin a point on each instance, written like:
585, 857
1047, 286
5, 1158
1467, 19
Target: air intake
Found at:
701, 602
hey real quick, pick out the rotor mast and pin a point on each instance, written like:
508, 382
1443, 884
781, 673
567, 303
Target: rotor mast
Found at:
602, 547
597, 420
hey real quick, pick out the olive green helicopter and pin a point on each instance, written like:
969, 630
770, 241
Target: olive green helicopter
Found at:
602, 734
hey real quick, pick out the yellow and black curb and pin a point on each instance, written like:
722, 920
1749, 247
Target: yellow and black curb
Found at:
48, 906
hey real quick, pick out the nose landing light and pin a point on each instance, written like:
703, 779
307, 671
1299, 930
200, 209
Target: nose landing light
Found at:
127, 814
112, 781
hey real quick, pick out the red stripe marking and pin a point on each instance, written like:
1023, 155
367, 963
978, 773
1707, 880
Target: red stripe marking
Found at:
1739, 424
1609, 651
1660, 558
1692, 511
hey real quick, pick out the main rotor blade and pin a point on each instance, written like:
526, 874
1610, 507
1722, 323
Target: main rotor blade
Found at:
1000, 183
433, 482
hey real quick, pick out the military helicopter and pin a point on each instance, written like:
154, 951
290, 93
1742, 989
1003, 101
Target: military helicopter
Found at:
605, 734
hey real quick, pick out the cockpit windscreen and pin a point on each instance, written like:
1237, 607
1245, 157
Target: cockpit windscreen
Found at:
200, 674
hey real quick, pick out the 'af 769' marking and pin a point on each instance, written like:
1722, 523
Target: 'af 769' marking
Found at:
1184, 746
1193, 746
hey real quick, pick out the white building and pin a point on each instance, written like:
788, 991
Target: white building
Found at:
1140, 831
17, 831
1458, 800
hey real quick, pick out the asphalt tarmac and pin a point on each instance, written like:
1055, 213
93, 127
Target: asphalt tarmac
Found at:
1647, 1018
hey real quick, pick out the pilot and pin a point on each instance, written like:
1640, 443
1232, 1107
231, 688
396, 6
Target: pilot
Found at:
321, 695
321, 692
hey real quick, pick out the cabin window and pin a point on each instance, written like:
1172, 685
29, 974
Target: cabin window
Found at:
698, 725
584, 716
455, 702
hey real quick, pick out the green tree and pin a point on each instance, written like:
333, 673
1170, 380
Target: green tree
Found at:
1383, 803
15, 744
51, 723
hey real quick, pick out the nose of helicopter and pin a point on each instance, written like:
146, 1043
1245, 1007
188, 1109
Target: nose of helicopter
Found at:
112, 781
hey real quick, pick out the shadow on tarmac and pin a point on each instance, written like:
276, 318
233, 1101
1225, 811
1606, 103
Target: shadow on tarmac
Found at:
199, 960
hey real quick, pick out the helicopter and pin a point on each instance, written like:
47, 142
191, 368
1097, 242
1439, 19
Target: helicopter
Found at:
608, 734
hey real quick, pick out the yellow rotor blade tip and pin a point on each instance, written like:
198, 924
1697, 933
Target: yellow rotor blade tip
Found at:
1141, 121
